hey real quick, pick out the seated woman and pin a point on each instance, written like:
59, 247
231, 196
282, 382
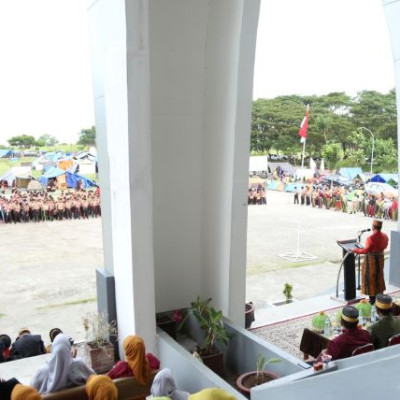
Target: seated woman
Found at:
164, 386
101, 387
137, 363
62, 370
22, 392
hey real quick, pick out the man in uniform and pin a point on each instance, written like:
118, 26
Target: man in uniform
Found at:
372, 280
387, 325
343, 345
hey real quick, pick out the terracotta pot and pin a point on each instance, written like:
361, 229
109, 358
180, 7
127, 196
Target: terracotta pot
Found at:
215, 362
247, 381
101, 359
249, 315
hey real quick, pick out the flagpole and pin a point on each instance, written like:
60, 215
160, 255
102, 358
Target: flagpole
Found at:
302, 159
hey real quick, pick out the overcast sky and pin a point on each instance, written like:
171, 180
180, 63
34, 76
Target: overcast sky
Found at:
304, 47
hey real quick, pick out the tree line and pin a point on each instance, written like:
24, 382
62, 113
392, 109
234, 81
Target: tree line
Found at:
87, 137
341, 129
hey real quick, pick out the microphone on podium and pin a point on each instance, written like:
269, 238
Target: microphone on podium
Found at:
365, 230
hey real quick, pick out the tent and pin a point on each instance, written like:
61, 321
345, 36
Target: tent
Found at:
16, 172
391, 179
350, 173
5, 153
258, 163
70, 178
73, 179
52, 172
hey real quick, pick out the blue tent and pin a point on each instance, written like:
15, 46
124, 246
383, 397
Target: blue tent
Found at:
385, 178
5, 153
73, 179
51, 172
350, 173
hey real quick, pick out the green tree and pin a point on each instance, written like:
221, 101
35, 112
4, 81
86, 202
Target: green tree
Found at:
46, 140
23, 141
333, 154
87, 137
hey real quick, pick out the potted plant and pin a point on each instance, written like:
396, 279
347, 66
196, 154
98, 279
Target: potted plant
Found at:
169, 321
251, 379
287, 291
212, 325
98, 348
249, 314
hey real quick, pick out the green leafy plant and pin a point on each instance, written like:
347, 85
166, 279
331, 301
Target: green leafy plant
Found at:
287, 291
211, 323
261, 363
98, 330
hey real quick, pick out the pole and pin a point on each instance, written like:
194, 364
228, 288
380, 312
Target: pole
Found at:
373, 144
302, 159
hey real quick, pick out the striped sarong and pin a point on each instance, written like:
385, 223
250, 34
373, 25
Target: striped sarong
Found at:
372, 281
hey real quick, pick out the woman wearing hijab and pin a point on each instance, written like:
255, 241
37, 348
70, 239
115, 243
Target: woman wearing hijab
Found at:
137, 363
101, 387
212, 394
22, 392
62, 370
164, 385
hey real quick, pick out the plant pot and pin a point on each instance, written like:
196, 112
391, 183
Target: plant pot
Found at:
215, 362
101, 359
167, 325
249, 314
248, 380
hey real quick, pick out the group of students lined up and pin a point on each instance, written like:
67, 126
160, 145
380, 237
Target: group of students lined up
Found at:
371, 205
65, 370
40, 206
257, 195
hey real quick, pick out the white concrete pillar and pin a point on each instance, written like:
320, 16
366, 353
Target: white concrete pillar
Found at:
392, 15
173, 92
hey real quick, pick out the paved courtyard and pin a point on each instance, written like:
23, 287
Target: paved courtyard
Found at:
48, 269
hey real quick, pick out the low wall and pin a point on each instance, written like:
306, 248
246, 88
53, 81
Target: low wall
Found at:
365, 375
240, 356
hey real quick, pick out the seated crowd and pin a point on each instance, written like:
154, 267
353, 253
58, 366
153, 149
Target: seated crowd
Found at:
64, 370
377, 334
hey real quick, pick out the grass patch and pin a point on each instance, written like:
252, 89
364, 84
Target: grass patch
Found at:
256, 269
69, 303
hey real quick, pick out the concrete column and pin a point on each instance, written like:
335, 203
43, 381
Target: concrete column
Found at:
173, 93
392, 15
120, 59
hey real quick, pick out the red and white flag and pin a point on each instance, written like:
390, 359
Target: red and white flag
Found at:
304, 126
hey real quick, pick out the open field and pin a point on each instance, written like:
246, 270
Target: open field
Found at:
48, 268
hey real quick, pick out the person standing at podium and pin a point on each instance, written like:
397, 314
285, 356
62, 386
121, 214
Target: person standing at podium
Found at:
372, 280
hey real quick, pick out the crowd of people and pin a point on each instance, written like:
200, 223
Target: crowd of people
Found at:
23, 207
64, 370
257, 195
341, 199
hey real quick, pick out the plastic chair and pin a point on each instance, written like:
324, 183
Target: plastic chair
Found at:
366, 348
395, 339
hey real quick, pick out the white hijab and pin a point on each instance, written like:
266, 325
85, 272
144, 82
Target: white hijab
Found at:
164, 385
61, 371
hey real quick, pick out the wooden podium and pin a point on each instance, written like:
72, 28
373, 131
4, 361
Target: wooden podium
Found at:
349, 271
